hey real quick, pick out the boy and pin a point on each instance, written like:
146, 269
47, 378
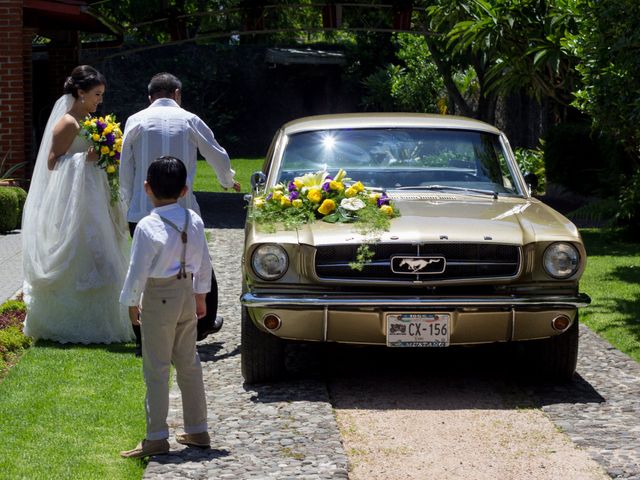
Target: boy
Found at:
170, 270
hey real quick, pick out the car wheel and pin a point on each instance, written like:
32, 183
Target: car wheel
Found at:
555, 358
262, 354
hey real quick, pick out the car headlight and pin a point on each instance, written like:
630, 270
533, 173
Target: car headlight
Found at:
269, 261
561, 260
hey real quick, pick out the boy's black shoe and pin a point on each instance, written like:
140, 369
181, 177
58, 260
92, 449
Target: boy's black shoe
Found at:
206, 327
138, 350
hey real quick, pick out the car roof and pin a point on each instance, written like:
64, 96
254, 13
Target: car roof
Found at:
385, 120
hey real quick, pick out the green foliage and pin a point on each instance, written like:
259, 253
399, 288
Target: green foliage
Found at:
21, 195
531, 160
608, 46
13, 339
599, 212
6, 173
413, 85
9, 207
629, 203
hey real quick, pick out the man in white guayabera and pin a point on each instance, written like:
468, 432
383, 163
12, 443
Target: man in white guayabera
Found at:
165, 128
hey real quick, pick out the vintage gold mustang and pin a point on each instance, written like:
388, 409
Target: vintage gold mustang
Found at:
471, 258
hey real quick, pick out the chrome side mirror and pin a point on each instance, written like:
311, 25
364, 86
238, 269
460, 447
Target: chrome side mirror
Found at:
258, 180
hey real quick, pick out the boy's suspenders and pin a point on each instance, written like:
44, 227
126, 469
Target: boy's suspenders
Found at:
182, 273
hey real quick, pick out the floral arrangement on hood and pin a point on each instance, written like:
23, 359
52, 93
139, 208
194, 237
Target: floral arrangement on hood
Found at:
319, 196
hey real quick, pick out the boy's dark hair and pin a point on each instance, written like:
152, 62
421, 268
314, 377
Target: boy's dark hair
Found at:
167, 176
163, 85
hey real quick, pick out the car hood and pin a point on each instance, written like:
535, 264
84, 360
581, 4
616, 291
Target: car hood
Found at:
514, 221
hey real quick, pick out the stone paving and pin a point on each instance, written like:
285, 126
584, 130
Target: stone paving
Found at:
10, 264
288, 430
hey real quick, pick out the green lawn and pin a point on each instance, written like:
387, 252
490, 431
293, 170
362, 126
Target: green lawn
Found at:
67, 411
612, 280
206, 180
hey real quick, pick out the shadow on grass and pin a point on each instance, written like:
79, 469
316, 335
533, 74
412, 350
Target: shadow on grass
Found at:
609, 242
125, 348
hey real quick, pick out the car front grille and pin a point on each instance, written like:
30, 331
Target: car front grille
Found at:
450, 262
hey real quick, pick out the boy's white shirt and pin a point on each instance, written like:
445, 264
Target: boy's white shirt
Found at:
156, 251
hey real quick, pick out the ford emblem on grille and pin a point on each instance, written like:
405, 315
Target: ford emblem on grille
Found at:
413, 265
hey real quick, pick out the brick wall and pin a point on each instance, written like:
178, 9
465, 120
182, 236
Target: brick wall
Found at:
12, 86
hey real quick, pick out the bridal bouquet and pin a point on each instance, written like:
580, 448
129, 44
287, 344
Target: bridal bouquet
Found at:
319, 196
106, 136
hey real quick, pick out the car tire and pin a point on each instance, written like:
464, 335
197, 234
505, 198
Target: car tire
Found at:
262, 354
554, 358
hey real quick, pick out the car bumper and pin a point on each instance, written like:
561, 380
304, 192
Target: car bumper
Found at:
362, 319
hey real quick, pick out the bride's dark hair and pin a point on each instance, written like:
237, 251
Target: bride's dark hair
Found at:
83, 77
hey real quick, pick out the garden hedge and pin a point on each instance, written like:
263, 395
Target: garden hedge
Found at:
21, 193
9, 207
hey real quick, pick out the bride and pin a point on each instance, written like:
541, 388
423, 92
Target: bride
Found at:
74, 241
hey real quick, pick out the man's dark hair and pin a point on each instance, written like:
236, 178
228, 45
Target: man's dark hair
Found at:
163, 85
167, 176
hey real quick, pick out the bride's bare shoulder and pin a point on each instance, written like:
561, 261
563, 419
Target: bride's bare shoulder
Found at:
67, 125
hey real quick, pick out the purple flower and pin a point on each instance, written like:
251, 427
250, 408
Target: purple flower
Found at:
383, 200
269, 197
101, 126
292, 186
326, 185
293, 195
110, 139
117, 155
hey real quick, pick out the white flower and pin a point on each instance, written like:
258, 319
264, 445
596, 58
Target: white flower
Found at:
354, 204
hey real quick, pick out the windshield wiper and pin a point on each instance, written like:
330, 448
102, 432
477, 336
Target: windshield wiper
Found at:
493, 193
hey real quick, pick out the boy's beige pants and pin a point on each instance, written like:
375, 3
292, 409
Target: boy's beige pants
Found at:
169, 322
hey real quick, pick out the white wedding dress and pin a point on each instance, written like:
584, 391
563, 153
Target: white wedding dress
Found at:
75, 252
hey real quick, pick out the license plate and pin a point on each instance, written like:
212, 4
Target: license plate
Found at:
418, 329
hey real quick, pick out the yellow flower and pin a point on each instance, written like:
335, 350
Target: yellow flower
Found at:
350, 192
285, 201
111, 169
314, 195
388, 209
118, 141
258, 202
107, 130
277, 194
298, 184
358, 186
333, 185
112, 153
373, 198
118, 148
297, 203
95, 137
327, 207
87, 123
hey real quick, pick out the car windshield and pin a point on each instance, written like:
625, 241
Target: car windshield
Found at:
403, 159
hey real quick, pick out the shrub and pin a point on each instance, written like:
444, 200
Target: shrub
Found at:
8, 209
629, 203
12, 313
13, 339
21, 193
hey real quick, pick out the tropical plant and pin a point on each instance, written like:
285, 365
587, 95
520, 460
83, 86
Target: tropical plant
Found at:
6, 174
